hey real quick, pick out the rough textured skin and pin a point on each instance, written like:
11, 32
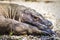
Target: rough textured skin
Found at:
22, 20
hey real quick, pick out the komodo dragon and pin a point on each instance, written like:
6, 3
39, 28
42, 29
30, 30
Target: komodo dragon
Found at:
22, 20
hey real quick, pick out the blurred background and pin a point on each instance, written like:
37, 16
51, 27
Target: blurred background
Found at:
50, 9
